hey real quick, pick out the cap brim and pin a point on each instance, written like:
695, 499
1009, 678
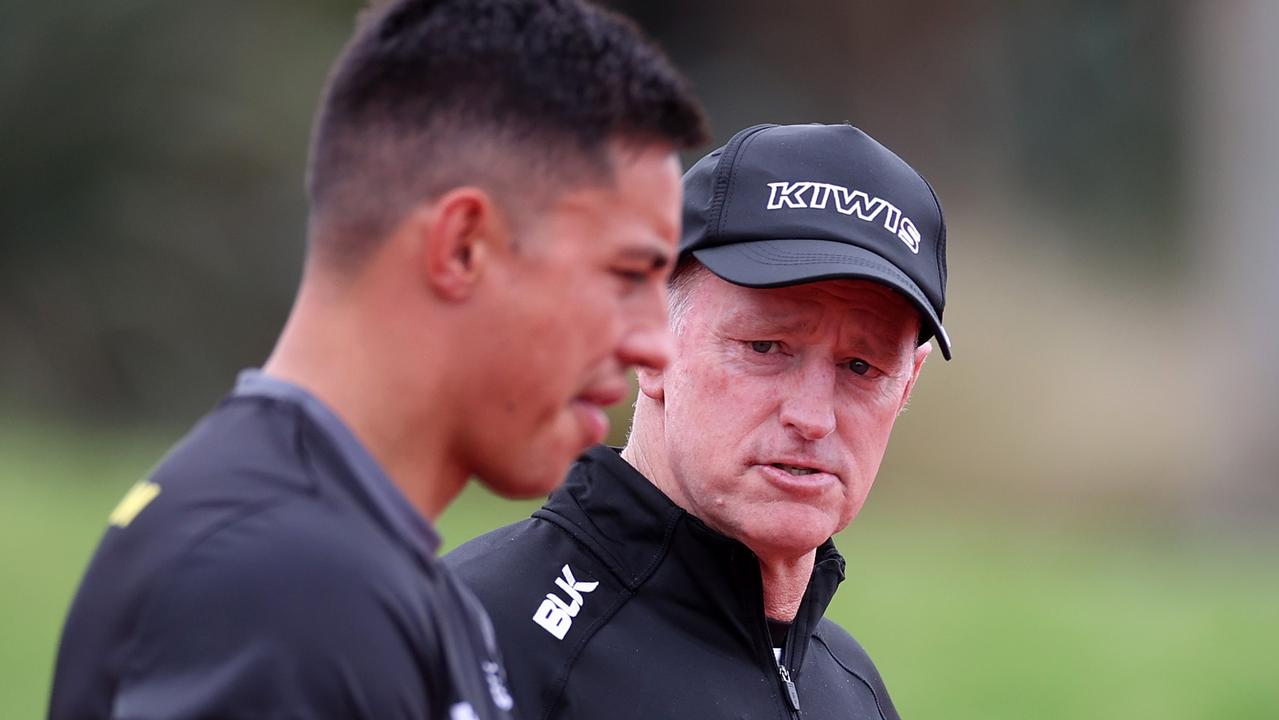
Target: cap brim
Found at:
777, 263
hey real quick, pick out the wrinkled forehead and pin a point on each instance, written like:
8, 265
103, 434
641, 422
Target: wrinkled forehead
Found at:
861, 307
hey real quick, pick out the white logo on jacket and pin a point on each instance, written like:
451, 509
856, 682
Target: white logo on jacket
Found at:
815, 195
554, 614
497, 685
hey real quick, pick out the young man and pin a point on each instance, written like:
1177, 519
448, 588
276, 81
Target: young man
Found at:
494, 210
688, 576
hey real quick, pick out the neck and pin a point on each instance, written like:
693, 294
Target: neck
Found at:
784, 584
335, 347
646, 453
785, 578
635, 453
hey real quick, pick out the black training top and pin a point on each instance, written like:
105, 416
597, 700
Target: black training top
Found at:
612, 602
269, 569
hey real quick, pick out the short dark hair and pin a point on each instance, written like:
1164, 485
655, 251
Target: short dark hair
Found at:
519, 96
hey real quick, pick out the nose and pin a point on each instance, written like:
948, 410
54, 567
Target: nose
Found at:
647, 341
808, 405
648, 345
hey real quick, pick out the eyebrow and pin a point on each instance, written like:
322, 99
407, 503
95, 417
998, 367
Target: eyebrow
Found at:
659, 258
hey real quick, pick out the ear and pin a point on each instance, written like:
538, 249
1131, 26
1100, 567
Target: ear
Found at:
921, 354
458, 235
651, 383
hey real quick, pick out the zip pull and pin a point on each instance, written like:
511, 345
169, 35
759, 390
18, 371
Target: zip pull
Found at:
791, 694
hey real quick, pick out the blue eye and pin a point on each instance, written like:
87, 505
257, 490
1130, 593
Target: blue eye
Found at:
763, 346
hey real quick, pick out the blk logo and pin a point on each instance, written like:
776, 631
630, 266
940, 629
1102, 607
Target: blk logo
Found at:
555, 614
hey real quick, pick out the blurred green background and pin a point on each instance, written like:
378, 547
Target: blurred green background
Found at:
1077, 515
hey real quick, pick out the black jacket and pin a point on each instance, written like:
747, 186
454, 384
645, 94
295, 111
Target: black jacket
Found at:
267, 569
613, 603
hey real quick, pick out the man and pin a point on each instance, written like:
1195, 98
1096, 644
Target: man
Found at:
494, 209
688, 576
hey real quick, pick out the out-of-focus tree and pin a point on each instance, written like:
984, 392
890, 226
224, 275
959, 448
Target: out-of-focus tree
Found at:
151, 209
151, 198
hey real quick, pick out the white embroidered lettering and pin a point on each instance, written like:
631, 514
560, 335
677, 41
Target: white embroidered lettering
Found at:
848, 201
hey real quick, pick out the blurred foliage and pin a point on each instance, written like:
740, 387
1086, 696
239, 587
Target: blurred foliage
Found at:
151, 207
151, 195
1075, 104
1095, 87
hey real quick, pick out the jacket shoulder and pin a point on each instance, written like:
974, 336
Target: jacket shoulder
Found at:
547, 595
271, 613
849, 654
510, 554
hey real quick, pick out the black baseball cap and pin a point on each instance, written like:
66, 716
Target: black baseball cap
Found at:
787, 204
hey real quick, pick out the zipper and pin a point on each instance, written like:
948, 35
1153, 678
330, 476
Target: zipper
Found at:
792, 696
788, 683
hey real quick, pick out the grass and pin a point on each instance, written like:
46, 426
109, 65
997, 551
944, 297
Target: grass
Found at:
969, 621
967, 616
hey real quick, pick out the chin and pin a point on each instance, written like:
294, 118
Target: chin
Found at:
792, 533
789, 546
530, 473
540, 461
525, 485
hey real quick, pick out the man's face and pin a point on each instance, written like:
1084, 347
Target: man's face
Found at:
778, 404
582, 301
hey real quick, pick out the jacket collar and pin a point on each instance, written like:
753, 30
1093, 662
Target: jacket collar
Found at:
348, 459
633, 527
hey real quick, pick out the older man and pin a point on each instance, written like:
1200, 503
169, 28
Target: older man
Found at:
494, 210
687, 576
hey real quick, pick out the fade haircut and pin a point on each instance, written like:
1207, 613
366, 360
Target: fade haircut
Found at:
520, 97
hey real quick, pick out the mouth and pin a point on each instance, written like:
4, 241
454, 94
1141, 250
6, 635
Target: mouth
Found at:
796, 469
798, 479
603, 395
589, 407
